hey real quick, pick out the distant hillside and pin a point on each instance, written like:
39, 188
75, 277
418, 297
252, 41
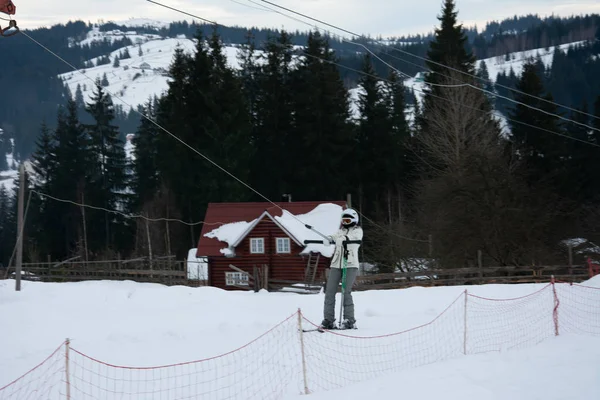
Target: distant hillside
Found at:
38, 82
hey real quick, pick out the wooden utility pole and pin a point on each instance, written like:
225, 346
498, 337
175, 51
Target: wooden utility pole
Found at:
570, 259
20, 227
430, 240
168, 235
480, 265
85, 244
149, 241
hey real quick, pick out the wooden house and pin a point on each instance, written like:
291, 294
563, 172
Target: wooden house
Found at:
241, 237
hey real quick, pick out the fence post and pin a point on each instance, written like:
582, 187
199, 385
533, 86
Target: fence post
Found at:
556, 304
465, 328
570, 259
302, 351
480, 265
67, 380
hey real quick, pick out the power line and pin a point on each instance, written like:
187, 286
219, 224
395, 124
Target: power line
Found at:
151, 120
386, 80
425, 59
337, 64
183, 12
500, 96
439, 97
167, 131
494, 83
42, 195
160, 127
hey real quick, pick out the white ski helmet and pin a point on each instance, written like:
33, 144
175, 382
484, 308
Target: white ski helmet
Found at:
349, 217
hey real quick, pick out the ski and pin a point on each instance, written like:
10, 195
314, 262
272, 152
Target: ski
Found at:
323, 330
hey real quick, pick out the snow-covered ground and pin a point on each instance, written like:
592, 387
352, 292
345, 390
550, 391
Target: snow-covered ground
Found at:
141, 325
498, 64
565, 368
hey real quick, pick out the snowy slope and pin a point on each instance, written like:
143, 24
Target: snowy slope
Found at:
134, 324
143, 75
135, 82
496, 65
96, 35
137, 78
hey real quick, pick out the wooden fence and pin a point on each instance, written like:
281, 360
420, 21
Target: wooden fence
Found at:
174, 272
473, 276
163, 271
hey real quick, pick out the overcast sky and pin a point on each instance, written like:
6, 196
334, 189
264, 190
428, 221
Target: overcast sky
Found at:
375, 17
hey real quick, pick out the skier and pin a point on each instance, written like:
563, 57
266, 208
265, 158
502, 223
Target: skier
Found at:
349, 230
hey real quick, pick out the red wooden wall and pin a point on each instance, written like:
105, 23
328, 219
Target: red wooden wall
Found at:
290, 266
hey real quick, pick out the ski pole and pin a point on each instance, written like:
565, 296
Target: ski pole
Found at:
343, 291
344, 264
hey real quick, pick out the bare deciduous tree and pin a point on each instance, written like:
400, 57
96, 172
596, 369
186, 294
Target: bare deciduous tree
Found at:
160, 232
471, 196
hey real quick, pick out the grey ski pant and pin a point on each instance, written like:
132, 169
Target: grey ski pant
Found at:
335, 278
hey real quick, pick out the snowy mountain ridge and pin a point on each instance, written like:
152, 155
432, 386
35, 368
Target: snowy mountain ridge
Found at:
141, 70
144, 74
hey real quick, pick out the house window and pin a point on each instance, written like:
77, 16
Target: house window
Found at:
257, 245
283, 245
236, 278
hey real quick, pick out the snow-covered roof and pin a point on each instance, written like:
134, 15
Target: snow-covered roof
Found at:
324, 218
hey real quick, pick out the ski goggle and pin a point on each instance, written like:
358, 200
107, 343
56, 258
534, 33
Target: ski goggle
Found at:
346, 221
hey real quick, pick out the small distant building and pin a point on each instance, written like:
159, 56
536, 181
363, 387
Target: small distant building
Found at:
144, 66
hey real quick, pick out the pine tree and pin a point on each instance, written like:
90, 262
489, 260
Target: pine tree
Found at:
65, 164
204, 107
145, 183
543, 151
248, 74
4, 147
451, 64
186, 112
177, 165
273, 122
44, 160
401, 173
79, 97
107, 180
448, 48
374, 152
485, 83
44, 164
322, 139
231, 126
581, 180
